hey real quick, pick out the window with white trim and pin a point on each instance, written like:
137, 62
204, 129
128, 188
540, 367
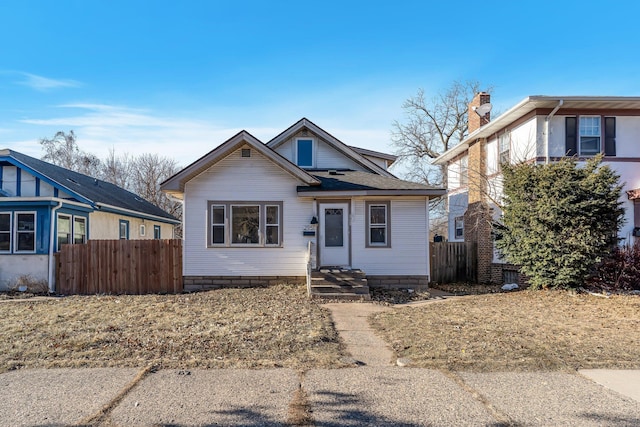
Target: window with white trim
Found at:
5, 232
79, 230
25, 231
378, 224
64, 230
590, 133
304, 152
124, 230
143, 230
157, 232
248, 224
504, 147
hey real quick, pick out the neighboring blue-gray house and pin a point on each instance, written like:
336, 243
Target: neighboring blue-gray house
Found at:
43, 206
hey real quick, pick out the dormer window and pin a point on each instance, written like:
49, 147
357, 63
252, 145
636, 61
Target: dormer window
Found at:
304, 152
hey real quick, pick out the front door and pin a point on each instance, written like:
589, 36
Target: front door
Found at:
334, 234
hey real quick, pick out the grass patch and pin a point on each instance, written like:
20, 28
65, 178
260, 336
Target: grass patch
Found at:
243, 328
522, 331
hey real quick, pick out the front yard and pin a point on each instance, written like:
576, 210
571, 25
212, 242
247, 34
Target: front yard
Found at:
276, 326
527, 330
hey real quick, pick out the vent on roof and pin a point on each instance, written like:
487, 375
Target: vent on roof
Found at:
72, 180
246, 152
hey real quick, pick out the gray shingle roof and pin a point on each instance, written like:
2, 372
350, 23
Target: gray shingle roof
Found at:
348, 180
95, 190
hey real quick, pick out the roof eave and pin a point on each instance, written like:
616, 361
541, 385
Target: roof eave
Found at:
429, 193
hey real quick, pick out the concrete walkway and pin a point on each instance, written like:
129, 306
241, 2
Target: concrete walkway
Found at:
351, 322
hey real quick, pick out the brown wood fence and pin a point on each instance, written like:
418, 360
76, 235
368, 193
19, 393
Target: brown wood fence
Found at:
120, 267
453, 262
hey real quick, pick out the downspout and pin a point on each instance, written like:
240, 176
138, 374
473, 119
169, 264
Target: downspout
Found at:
546, 130
51, 243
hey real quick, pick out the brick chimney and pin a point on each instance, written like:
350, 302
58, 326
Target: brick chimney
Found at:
475, 121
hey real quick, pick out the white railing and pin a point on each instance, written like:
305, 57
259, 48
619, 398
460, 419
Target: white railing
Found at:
308, 259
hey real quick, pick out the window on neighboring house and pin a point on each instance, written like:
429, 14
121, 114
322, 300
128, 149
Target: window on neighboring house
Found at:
464, 171
304, 152
459, 227
239, 224
378, 224
505, 148
79, 230
25, 232
589, 135
64, 230
583, 135
272, 223
5, 232
143, 230
157, 232
124, 229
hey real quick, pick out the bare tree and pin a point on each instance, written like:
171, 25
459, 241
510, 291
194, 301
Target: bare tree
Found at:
63, 150
148, 171
431, 127
118, 169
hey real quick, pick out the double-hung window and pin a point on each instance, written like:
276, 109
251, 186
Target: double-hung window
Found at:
25, 232
458, 226
123, 233
79, 230
248, 224
157, 232
504, 142
5, 232
64, 230
378, 222
589, 135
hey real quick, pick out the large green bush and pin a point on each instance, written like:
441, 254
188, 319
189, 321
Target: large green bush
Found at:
559, 219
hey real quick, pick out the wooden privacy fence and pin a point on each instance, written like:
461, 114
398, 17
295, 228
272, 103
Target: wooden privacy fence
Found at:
120, 267
453, 262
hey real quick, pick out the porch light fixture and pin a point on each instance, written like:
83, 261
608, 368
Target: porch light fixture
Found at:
314, 221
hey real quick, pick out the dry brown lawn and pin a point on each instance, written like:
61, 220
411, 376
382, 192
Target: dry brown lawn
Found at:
265, 327
527, 330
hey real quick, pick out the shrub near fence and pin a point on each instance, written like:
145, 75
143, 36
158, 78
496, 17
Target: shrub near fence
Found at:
453, 262
120, 267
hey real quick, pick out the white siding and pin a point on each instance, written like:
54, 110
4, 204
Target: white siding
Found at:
245, 179
491, 156
378, 161
106, 226
409, 240
525, 140
27, 184
14, 266
46, 190
325, 156
9, 179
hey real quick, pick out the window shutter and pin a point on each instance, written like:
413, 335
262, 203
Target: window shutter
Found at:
571, 136
609, 136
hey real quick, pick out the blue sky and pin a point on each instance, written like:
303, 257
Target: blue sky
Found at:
180, 77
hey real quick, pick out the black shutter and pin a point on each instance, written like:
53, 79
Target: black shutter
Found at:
571, 136
609, 136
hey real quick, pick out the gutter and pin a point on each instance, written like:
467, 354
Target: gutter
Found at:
115, 209
546, 130
50, 282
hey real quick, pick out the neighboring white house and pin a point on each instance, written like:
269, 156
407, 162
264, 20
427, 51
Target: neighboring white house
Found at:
255, 213
43, 206
539, 129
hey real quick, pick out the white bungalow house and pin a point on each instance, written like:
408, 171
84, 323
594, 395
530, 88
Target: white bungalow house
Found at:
43, 206
538, 129
258, 213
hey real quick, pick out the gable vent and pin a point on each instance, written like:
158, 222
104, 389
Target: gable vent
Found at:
246, 152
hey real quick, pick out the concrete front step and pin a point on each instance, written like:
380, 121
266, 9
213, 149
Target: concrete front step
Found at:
339, 283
